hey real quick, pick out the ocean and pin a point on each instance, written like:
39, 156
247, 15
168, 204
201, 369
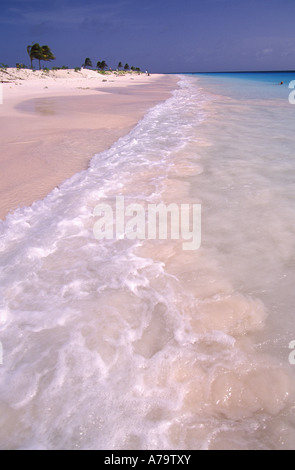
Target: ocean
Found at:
133, 342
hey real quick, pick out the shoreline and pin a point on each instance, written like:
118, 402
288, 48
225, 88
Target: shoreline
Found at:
52, 124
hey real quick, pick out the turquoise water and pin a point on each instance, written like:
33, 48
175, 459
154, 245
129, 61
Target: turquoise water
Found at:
251, 165
256, 85
138, 344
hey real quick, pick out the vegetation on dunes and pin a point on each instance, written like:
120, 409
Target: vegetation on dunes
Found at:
44, 53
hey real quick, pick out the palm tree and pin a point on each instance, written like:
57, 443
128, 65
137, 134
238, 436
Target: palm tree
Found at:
101, 65
46, 54
34, 52
87, 63
126, 67
120, 65
38, 52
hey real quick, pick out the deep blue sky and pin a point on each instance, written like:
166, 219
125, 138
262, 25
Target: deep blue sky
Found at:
158, 35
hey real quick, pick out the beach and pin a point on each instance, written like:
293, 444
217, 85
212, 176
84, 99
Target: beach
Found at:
53, 123
115, 336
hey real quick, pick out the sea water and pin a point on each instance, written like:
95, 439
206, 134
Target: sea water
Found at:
139, 344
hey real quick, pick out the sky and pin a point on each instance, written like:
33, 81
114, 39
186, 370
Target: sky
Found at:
164, 36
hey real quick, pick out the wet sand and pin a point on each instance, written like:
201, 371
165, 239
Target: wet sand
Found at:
51, 127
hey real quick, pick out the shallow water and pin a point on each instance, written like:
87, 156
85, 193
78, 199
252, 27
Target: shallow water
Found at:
138, 344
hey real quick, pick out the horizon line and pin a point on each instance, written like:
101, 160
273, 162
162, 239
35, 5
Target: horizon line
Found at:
236, 71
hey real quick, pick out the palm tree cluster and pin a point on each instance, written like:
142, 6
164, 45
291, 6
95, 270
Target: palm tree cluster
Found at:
126, 67
102, 65
39, 53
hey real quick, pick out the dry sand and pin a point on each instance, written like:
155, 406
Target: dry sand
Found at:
51, 124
